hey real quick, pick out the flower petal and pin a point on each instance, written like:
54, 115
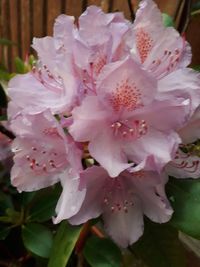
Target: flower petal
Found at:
92, 179
88, 119
152, 38
148, 146
184, 166
191, 131
108, 152
150, 188
71, 198
125, 228
183, 83
124, 85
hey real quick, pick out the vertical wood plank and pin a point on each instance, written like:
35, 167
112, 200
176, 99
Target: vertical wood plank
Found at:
74, 8
25, 28
38, 23
122, 6
169, 6
105, 5
192, 36
14, 31
94, 2
5, 23
1, 34
53, 10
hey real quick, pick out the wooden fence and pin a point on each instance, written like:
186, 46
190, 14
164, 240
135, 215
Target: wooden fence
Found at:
21, 20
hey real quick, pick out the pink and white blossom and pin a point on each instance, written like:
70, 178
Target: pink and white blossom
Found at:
186, 164
124, 121
160, 49
115, 93
121, 201
42, 152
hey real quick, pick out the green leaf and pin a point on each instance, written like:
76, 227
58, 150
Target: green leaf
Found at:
3, 98
3, 118
20, 66
160, 246
37, 239
195, 10
167, 20
32, 60
4, 75
6, 42
63, 244
185, 199
196, 6
5, 202
4, 231
26, 198
130, 260
102, 253
197, 67
43, 205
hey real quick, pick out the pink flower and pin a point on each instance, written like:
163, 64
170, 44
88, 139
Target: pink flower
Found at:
125, 121
39, 90
118, 94
42, 152
160, 49
85, 49
191, 131
186, 163
122, 201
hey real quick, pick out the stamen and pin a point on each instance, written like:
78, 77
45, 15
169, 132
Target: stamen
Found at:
129, 129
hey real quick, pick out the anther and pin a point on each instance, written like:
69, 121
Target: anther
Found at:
125, 209
31, 165
44, 167
124, 134
112, 209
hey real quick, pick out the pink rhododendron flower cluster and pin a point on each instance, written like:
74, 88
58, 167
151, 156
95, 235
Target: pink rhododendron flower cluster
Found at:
117, 97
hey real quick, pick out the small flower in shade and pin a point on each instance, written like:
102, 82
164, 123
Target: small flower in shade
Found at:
186, 163
42, 152
122, 201
127, 120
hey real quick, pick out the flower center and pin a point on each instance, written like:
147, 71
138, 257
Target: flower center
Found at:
167, 62
44, 161
131, 129
45, 77
117, 198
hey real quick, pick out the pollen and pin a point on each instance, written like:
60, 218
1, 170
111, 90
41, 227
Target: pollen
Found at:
52, 132
144, 44
126, 95
99, 64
